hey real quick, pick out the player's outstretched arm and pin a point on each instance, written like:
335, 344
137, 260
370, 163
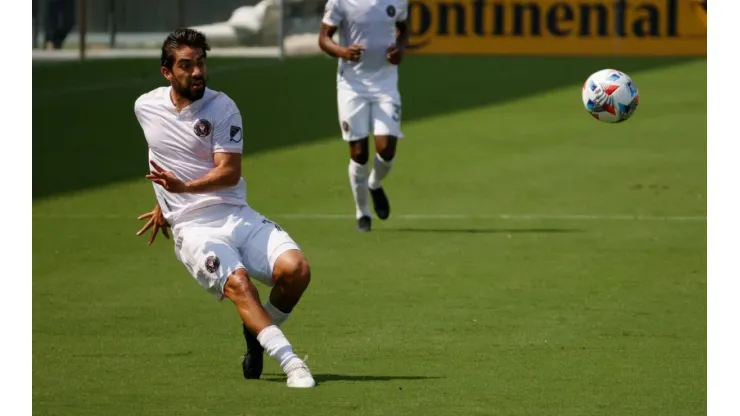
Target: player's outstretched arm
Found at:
226, 173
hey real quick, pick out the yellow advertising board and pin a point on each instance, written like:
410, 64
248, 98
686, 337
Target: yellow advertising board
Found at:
559, 27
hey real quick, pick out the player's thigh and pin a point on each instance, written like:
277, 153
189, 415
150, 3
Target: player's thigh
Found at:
262, 249
386, 115
210, 258
354, 115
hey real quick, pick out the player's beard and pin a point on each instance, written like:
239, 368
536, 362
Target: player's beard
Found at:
188, 91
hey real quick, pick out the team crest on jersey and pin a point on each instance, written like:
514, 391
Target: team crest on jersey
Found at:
212, 263
202, 128
345, 126
391, 11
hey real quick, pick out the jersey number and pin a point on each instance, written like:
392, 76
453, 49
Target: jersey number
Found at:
396, 113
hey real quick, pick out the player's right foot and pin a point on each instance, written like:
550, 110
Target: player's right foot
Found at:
299, 376
363, 224
253, 360
380, 203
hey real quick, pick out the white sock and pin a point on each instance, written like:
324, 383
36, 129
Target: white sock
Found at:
277, 346
358, 181
381, 168
278, 317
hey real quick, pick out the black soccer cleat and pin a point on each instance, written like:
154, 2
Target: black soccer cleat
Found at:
363, 224
253, 361
380, 203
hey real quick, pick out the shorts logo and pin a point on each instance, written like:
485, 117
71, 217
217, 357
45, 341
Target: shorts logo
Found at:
345, 127
202, 128
212, 263
391, 11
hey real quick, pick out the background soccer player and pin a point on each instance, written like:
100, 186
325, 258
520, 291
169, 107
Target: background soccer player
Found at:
372, 39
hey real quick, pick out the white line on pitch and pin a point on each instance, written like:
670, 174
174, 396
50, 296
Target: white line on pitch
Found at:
555, 217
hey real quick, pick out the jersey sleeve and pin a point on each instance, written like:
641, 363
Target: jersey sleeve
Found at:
403, 13
333, 14
228, 135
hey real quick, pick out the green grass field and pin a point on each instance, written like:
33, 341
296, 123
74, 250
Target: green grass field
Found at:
569, 307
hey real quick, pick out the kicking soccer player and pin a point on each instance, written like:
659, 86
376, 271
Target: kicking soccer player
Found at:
372, 40
195, 139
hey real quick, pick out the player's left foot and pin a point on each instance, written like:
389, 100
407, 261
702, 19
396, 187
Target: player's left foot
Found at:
380, 203
364, 224
299, 376
253, 360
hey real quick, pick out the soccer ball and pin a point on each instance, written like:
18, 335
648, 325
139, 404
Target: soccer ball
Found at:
622, 96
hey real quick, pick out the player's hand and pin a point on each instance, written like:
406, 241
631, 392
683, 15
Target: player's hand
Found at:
165, 179
394, 55
157, 221
353, 52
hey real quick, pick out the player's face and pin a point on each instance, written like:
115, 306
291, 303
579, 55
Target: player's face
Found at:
188, 75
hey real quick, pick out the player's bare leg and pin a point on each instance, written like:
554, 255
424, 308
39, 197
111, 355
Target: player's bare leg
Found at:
242, 292
291, 274
385, 152
359, 173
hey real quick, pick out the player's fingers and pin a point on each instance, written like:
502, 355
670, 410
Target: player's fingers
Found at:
146, 227
147, 215
153, 236
165, 233
156, 166
160, 182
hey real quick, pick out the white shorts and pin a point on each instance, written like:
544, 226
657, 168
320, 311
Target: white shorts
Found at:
226, 238
361, 114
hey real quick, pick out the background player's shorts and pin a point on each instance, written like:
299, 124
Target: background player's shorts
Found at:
226, 238
362, 114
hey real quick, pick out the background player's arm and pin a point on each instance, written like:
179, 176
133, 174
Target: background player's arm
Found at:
402, 35
333, 17
327, 44
395, 52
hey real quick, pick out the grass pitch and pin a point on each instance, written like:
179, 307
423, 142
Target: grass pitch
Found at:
567, 306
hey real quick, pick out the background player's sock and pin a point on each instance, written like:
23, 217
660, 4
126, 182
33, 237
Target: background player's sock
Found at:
381, 168
277, 346
358, 175
278, 317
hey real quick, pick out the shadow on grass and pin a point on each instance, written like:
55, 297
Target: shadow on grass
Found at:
85, 134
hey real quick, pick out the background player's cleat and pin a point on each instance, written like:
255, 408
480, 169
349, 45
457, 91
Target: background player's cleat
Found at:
252, 362
363, 224
299, 376
380, 203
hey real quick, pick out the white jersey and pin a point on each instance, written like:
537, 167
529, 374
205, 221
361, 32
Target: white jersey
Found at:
184, 143
371, 23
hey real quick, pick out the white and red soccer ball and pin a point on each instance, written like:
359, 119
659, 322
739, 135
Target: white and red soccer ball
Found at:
623, 96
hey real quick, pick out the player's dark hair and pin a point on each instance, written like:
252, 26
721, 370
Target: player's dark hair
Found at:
179, 38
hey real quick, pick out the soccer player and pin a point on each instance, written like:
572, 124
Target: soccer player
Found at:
195, 140
372, 39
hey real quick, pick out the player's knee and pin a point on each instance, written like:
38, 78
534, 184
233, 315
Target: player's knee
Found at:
358, 151
387, 150
293, 270
239, 287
